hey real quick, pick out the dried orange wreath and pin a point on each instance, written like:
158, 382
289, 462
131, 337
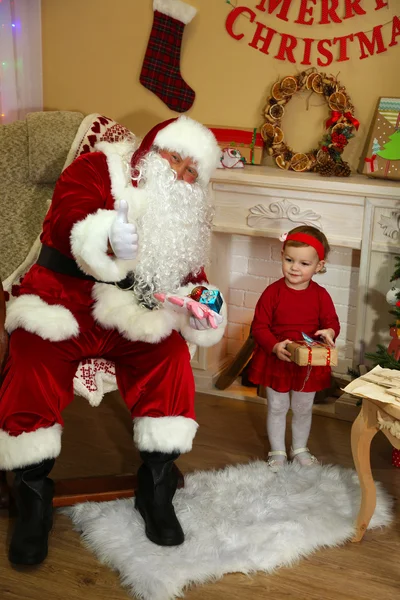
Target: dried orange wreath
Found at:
340, 127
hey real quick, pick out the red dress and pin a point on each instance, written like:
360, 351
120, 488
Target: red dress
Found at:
284, 313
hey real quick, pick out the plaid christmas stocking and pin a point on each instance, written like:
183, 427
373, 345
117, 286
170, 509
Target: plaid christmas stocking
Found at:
161, 67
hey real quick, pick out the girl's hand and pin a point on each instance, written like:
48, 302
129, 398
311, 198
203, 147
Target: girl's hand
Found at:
328, 335
280, 350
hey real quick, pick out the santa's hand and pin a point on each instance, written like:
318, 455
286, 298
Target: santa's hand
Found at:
201, 317
123, 235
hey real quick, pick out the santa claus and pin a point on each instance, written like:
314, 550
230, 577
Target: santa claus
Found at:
128, 226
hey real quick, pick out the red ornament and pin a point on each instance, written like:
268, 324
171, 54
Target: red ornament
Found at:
196, 292
339, 139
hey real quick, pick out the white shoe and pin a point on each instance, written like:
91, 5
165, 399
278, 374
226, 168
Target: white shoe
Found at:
276, 465
307, 460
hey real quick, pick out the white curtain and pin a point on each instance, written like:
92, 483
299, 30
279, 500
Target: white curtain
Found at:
21, 89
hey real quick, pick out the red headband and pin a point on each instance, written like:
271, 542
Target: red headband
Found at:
309, 240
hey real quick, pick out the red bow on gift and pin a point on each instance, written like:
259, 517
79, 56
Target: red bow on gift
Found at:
336, 115
371, 162
310, 347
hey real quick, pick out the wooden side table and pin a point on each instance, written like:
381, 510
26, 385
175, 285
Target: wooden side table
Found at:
363, 430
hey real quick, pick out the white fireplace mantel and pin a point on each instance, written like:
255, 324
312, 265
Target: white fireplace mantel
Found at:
354, 212
336, 205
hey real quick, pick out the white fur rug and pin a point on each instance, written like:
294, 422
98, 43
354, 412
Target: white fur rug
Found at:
240, 519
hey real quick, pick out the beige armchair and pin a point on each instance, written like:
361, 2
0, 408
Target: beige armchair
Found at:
32, 154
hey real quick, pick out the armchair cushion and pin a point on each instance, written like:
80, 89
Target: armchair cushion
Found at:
32, 154
50, 135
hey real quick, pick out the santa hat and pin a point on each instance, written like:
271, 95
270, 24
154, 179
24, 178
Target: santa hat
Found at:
189, 138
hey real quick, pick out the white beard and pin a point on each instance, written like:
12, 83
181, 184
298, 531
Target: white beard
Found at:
174, 230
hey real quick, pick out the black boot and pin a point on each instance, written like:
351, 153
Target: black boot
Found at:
34, 498
157, 483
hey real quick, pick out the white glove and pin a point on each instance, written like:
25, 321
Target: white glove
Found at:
202, 324
123, 236
201, 316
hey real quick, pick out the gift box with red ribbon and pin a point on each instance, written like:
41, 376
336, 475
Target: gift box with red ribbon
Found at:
315, 355
248, 141
381, 154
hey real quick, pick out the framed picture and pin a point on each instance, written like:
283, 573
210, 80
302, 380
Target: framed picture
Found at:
381, 157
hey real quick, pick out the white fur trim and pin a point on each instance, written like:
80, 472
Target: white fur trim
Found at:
207, 337
115, 308
191, 138
89, 239
49, 321
164, 434
29, 448
118, 157
176, 9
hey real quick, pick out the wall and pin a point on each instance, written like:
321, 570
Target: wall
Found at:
253, 258
93, 52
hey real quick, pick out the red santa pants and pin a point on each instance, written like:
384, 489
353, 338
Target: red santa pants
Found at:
155, 380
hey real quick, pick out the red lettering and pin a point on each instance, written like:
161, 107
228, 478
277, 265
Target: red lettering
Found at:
343, 46
376, 40
231, 18
258, 37
329, 12
325, 52
288, 43
352, 7
304, 11
395, 31
380, 4
273, 5
308, 42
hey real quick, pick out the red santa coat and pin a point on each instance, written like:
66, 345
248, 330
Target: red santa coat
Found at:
56, 307
62, 309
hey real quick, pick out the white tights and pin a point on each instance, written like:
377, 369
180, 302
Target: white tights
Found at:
278, 406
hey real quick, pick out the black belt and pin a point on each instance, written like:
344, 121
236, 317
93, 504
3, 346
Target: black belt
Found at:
59, 263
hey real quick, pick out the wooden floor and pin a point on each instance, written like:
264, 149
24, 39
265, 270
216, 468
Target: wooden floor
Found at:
230, 432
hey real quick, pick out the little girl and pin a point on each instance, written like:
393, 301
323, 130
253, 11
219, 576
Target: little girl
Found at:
293, 305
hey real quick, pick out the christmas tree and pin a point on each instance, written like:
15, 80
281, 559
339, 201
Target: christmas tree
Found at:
391, 150
382, 357
375, 146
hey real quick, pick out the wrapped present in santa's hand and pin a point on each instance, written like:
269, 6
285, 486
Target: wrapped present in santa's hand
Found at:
211, 298
193, 307
309, 352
